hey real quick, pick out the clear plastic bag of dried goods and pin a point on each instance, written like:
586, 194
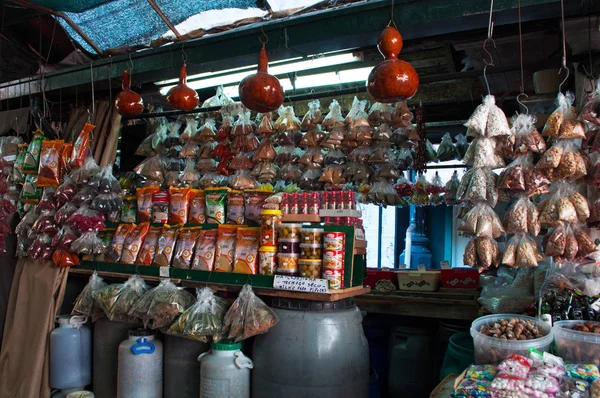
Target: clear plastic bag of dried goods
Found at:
152, 144
242, 180
290, 173
265, 124
522, 251
117, 299
483, 152
522, 216
401, 115
309, 181
88, 244
313, 158
380, 113
479, 185
265, 172
189, 176
383, 193
85, 303
562, 123
404, 158
313, 116
90, 169
590, 112
159, 307
287, 120
513, 178
462, 146
526, 137
312, 137
488, 120
451, 190
357, 173
265, 152
152, 168
563, 161
481, 222
446, 151
203, 319
190, 130
482, 253
206, 132
334, 118
430, 153
248, 316
563, 205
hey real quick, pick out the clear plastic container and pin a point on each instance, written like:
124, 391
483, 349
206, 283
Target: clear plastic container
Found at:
310, 268
289, 231
287, 264
575, 346
289, 246
309, 251
312, 235
492, 350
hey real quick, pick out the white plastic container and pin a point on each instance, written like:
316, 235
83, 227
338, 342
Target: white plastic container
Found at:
140, 373
574, 346
420, 281
225, 371
492, 350
71, 354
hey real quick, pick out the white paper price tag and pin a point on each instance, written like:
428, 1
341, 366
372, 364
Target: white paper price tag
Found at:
445, 265
164, 272
421, 267
298, 284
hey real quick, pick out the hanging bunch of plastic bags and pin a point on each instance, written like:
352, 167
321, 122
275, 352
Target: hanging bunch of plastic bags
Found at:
563, 161
483, 152
451, 190
85, 303
524, 138
313, 117
521, 251
109, 191
488, 120
248, 316
481, 221
117, 299
447, 150
567, 243
479, 185
153, 143
203, 319
522, 217
160, 306
563, 123
564, 205
482, 253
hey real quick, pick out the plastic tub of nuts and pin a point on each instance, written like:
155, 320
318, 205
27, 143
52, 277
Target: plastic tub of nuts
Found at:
497, 336
577, 341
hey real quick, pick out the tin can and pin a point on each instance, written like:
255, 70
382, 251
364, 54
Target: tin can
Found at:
333, 259
334, 241
334, 277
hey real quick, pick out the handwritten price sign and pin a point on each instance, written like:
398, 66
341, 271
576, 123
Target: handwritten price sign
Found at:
298, 284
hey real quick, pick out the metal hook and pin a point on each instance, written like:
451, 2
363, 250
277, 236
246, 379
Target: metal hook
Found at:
130, 63
184, 54
566, 77
486, 62
266, 38
522, 104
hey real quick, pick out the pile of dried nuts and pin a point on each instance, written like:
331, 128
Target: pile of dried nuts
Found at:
588, 327
512, 329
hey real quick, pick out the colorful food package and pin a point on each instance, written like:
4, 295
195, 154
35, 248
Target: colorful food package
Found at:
184, 250
30, 193
522, 217
133, 243
148, 249
179, 199
32, 156
49, 171
246, 250
216, 202
197, 207
248, 316
206, 245
129, 210
82, 147
144, 203
254, 206
65, 258
18, 177
224, 255
117, 299
166, 245
115, 250
235, 207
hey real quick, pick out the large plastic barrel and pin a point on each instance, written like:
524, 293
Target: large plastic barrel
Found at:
410, 373
459, 354
182, 367
225, 371
70, 354
107, 337
140, 366
316, 350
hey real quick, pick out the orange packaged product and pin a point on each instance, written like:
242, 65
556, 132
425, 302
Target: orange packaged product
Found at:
184, 251
63, 258
179, 199
226, 238
166, 246
65, 157
81, 148
148, 249
133, 243
49, 170
144, 203
197, 207
206, 245
246, 250
115, 250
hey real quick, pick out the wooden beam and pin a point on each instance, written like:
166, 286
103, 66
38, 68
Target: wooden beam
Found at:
164, 17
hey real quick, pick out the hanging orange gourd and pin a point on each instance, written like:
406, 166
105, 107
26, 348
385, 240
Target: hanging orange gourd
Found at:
393, 79
128, 102
261, 92
182, 96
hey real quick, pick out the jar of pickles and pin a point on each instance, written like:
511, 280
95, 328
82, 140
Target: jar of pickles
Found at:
311, 251
267, 256
269, 227
289, 246
312, 235
290, 231
310, 268
287, 264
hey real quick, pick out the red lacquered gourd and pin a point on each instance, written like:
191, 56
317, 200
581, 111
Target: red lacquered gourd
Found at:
128, 102
182, 96
261, 92
392, 80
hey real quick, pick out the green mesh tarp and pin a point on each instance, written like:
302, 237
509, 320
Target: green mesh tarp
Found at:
70, 5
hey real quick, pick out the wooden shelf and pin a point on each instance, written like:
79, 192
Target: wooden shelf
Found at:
116, 275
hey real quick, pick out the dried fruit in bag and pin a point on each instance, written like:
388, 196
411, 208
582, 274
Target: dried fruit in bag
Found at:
148, 247
580, 203
555, 242
334, 118
115, 250
526, 137
265, 124
85, 303
206, 245
562, 123
160, 306
313, 116
242, 180
166, 245
481, 221
224, 255
246, 250
133, 243
184, 250
287, 120
479, 185
248, 316
483, 152
514, 177
585, 244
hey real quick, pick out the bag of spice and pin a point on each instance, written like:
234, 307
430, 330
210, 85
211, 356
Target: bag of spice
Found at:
115, 250
216, 200
88, 245
224, 255
197, 207
246, 250
206, 245
160, 306
82, 147
235, 207
166, 245
248, 316
148, 249
203, 319
184, 250
144, 203
179, 199
133, 243
116, 300
85, 303
50, 172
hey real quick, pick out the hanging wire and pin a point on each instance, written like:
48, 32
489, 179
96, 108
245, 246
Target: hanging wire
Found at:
183, 53
110, 80
130, 63
489, 39
522, 93
92, 84
392, 22
564, 44
266, 38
